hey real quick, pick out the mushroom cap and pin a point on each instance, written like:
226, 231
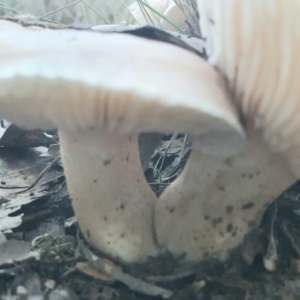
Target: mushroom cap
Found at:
255, 45
72, 80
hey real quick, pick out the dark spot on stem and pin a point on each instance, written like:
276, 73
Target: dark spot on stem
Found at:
171, 210
229, 209
106, 162
248, 205
211, 21
229, 227
228, 162
95, 180
88, 234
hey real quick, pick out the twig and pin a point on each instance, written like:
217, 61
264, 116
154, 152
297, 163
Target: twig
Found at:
58, 9
174, 136
40, 175
96, 12
116, 273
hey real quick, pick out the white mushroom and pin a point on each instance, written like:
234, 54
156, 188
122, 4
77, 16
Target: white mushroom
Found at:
99, 92
255, 45
216, 201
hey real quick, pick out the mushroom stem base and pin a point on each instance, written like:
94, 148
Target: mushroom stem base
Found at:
216, 201
113, 203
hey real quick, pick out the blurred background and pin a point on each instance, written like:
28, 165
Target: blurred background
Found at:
92, 12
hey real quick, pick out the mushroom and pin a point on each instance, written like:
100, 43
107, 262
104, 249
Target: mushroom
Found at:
167, 8
99, 93
111, 94
254, 45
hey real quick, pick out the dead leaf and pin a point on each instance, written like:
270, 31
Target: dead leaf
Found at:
89, 269
19, 168
10, 222
13, 136
16, 251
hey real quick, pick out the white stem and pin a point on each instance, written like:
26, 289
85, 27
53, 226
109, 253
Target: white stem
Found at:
113, 203
216, 201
